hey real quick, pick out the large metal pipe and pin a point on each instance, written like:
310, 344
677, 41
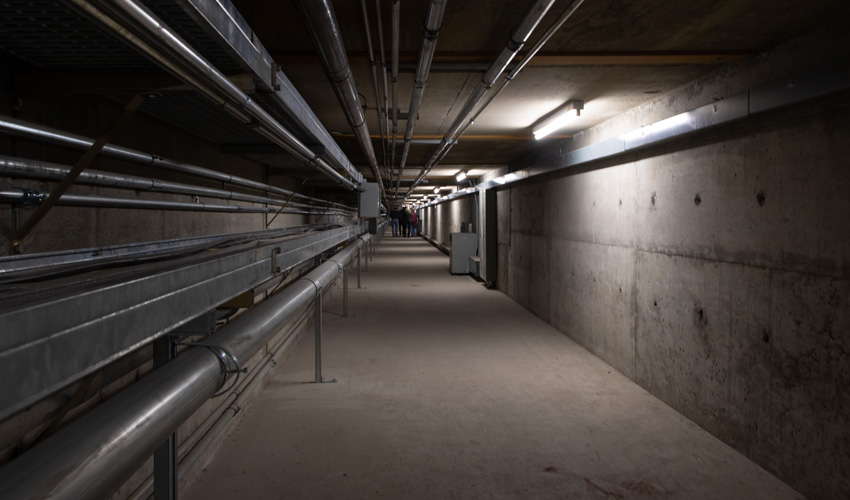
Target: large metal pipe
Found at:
373, 67
35, 169
126, 17
515, 42
94, 455
433, 22
324, 31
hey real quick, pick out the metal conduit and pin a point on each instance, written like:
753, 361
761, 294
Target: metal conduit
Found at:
20, 128
514, 43
519, 67
34, 169
324, 30
384, 70
372, 66
431, 30
94, 455
131, 16
31, 197
394, 76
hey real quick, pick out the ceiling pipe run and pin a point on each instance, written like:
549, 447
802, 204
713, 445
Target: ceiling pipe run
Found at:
514, 72
394, 78
514, 43
133, 23
94, 455
373, 67
20, 128
40, 170
380, 24
31, 197
324, 30
431, 30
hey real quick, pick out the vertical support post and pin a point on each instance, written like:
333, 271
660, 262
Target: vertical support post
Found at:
165, 457
345, 291
366, 258
358, 268
317, 318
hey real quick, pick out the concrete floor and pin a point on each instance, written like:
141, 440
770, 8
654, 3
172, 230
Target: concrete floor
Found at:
449, 390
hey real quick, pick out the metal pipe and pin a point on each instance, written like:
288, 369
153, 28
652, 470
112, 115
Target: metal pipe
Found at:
514, 43
372, 66
34, 169
433, 23
20, 128
94, 455
394, 78
324, 30
384, 70
519, 67
20, 196
124, 16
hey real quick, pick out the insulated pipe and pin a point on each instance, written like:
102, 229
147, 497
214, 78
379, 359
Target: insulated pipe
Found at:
431, 30
519, 67
130, 16
372, 65
324, 30
515, 42
34, 169
24, 196
20, 128
394, 79
94, 455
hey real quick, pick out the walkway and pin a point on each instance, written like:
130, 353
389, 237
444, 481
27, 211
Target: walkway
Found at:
448, 390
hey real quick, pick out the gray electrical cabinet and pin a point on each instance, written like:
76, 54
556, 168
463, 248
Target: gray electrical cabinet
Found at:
462, 246
370, 199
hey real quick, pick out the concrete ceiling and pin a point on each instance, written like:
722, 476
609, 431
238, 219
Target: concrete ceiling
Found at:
613, 54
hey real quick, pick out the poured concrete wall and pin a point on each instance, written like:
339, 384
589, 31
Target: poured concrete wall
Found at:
713, 271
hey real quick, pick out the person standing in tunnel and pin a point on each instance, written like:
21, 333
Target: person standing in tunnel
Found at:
414, 223
405, 222
394, 214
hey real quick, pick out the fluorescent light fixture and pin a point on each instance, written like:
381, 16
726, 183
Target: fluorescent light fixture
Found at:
436, 190
559, 119
460, 176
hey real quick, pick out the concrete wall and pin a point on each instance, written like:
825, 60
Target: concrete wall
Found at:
714, 272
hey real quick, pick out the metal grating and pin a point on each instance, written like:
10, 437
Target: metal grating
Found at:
53, 36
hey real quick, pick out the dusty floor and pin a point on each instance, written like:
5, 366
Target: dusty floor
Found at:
449, 390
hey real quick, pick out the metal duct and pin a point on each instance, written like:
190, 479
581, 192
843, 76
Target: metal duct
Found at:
130, 20
515, 42
20, 128
324, 31
94, 455
431, 30
34, 169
